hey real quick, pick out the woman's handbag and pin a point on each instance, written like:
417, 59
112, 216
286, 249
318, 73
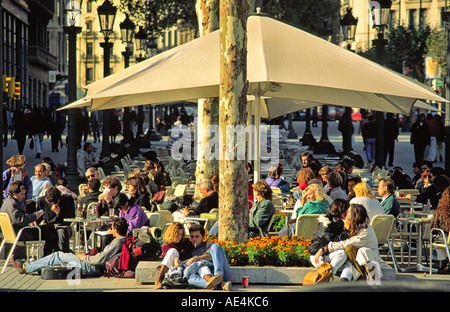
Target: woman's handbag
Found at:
158, 197
322, 275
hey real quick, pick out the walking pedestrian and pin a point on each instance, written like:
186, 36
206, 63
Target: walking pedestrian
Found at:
390, 132
431, 150
369, 133
55, 128
420, 137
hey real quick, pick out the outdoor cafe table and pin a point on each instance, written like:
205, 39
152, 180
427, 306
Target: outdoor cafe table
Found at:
84, 222
419, 222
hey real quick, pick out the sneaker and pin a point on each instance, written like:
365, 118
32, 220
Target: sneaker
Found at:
19, 264
214, 281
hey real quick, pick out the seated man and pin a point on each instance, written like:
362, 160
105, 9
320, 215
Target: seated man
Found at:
112, 188
39, 181
55, 210
207, 267
388, 200
209, 201
19, 219
89, 265
93, 189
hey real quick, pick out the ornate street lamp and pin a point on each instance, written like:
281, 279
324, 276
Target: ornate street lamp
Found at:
127, 31
323, 147
381, 12
73, 12
107, 16
348, 26
140, 40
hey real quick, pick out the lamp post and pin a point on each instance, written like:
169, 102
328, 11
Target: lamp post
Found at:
323, 147
381, 11
348, 25
127, 31
73, 11
107, 15
446, 19
141, 41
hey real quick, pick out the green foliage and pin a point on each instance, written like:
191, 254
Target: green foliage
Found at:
407, 46
437, 47
307, 15
156, 16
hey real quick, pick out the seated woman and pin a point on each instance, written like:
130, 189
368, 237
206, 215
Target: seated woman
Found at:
262, 211
365, 197
314, 201
330, 229
274, 178
139, 193
441, 220
176, 247
133, 213
361, 246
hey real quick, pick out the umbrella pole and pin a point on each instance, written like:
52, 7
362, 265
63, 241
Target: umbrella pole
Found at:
257, 143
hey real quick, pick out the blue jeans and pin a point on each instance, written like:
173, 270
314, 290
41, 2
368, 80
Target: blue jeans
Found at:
220, 267
370, 149
60, 257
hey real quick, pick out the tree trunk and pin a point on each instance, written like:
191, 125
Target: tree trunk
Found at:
233, 188
208, 109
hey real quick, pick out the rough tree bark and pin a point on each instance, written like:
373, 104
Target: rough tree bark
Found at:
233, 188
208, 109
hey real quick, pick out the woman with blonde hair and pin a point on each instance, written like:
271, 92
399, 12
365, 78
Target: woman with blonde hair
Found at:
365, 197
176, 247
16, 172
314, 201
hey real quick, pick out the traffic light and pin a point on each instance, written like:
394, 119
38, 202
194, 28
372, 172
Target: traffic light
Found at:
17, 91
10, 86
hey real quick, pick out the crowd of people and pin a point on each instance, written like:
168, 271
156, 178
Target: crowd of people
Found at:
344, 237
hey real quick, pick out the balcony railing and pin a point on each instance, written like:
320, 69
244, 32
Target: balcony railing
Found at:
42, 58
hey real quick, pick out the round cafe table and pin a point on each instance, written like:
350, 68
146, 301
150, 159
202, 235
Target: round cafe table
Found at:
419, 267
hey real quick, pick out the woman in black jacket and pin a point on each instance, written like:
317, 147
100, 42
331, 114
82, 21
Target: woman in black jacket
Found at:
330, 229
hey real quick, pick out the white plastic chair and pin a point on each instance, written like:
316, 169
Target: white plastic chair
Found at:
10, 237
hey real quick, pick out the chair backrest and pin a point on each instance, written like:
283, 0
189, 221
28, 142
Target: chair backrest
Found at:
154, 218
270, 222
180, 190
101, 173
214, 210
166, 217
81, 187
7, 228
306, 225
382, 225
275, 190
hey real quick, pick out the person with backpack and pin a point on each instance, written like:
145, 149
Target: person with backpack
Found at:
90, 265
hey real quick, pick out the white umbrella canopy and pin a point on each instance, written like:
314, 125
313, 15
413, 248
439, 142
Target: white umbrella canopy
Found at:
283, 62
